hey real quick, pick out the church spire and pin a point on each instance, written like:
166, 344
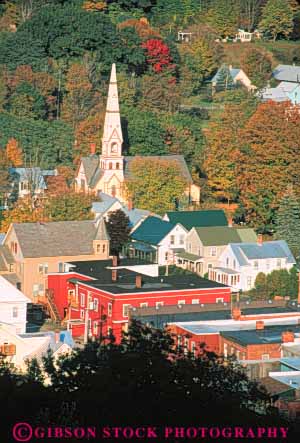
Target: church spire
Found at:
112, 135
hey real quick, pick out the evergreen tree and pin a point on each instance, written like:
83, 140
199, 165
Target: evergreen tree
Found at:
223, 17
118, 230
224, 79
287, 220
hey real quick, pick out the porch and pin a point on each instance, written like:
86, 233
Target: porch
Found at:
189, 261
226, 276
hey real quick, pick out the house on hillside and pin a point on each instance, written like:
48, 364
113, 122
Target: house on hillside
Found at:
237, 76
157, 240
204, 246
28, 181
31, 250
110, 171
285, 91
13, 306
287, 73
240, 263
189, 219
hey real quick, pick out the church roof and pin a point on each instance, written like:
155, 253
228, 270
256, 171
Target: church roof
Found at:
90, 165
101, 232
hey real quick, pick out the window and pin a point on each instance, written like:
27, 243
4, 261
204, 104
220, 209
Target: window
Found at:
45, 268
90, 326
195, 301
110, 166
209, 266
60, 267
186, 346
265, 357
166, 256
234, 264
35, 290
11, 268
181, 239
117, 166
238, 355
82, 299
227, 262
41, 289
255, 264
144, 305
278, 263
181, 302
193, 348
81, 313
267, 264
249, 282
16, 248
159, 303
95, 328
40, 267
219, 300
172, 239
15, 312
213, 251
96, 304
103, 249
109, 309
98, 248
125, 310
179, 340
225, 349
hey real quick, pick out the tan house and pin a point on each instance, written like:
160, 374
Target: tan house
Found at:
204, 246
31, 250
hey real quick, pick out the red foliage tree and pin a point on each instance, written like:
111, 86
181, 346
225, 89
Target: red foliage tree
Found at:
158, 55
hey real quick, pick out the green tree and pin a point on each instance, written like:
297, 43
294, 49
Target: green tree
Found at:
287, 220
277, 19
118, 230
26, 101
156, 184
224, 80
145, 133
69, 206
257, 65
223, 17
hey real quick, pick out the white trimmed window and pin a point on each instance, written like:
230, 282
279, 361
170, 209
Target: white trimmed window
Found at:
255, 264
82, 299
159, 303
265, 357
96, 304
181, 302
195, 301
109, 309
125, 310
181, 239
35, 290
172, 239
95, 328
193, 348
15, 312
144, 305
220, 300
82, 313
213, 251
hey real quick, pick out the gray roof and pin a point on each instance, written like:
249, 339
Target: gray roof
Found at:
35, 175
56, 238
90, 165
101, 233
252, 251
233, 73
288, 73
106, 202
276, 94
135, 215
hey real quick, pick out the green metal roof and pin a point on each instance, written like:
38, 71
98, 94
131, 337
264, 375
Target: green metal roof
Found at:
247, 235
188, 256
152, 230
190, 219
221, 235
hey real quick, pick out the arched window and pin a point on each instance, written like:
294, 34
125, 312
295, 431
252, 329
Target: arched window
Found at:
117, 166
110, 165
114, 147
113, 191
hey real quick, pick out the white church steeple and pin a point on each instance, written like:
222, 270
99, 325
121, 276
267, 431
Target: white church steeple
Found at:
112, 134
111, 159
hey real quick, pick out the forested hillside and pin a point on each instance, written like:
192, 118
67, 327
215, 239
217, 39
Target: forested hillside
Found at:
55, 61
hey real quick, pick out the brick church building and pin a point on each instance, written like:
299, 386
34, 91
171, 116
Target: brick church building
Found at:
109, 171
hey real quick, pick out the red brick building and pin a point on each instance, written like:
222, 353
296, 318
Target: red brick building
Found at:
95, 298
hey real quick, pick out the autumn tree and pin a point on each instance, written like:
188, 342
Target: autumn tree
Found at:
158, 55
159, 92
4, 177
24, 211
118, 229
269, 161
14, 153
79, 95
223, 17
26, 101
156, 183
249, 13
69, 206
277, 19
257, 65
287, 220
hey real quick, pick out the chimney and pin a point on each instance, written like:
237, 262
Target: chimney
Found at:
114, 275
260, 325
259, 239
236, 313
115, 260
287, 337
130, 205
93, 148
57, 334
230, 221
138, 281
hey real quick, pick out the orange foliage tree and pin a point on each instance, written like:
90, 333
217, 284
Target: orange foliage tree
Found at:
142, 27
14, 153
269, 160
24, 211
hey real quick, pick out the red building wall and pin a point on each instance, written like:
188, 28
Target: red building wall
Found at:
114, 318
211, 340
